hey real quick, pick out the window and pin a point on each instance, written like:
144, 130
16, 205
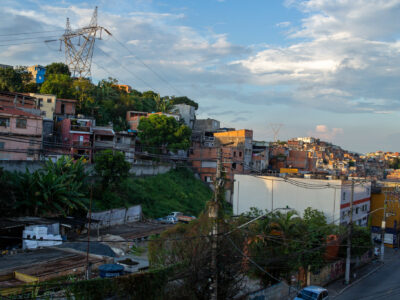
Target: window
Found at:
240, 153
344, 196
234, 153
40, 102
2, 145
21, 123
234, 166
31, 142
357, 210
31, 152
4, 122
49, 100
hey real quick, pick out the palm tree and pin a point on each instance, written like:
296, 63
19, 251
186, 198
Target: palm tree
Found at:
162, 104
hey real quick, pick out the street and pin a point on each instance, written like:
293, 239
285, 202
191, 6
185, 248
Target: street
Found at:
384, 283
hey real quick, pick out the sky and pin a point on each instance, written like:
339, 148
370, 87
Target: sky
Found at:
322, 68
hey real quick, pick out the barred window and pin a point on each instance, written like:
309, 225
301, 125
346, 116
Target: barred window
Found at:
21, 123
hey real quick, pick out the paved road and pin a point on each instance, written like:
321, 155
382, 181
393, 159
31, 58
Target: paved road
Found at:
383, 284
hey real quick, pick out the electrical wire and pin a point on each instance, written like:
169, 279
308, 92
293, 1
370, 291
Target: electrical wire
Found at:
147, 66
34, 32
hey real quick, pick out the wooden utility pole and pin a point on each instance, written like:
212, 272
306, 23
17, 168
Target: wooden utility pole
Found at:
88, 267
350, 229
383, 228
213, 213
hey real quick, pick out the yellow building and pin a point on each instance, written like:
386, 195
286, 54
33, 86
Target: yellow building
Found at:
391, 193
37, 72
46, 103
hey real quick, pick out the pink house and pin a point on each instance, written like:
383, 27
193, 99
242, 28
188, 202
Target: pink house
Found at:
20, 134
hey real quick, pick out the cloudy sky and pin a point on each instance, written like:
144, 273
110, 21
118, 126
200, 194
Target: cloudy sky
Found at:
326, 68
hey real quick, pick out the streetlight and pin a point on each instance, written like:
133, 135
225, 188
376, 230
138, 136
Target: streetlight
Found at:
259, 217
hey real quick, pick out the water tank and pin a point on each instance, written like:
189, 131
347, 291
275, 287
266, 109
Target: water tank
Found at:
110, 270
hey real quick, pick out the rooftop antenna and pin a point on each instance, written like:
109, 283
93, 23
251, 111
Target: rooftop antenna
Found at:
276, 127
78, 56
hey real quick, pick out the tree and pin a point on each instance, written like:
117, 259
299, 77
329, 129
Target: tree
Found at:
189, 247
57, 68
112, 167
184, 100
162, 104
159, 133
59, 85
10, 80
83, 90
57, 189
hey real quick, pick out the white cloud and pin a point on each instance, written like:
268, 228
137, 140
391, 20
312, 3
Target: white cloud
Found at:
283, 24
324, 133
347, 51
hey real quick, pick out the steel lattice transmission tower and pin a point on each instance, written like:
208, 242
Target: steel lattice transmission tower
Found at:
276, 127
79, 46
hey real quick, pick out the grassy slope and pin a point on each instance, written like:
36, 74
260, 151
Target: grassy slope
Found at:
177, 190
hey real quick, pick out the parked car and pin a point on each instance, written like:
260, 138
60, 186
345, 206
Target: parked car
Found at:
167, 220
181, 217
312, 292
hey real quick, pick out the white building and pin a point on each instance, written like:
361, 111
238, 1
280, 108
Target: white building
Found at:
306, 140
267, 192
187, 112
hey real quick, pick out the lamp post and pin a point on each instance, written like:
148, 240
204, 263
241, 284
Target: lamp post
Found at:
259, 217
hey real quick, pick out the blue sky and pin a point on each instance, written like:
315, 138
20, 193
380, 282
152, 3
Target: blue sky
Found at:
327, 68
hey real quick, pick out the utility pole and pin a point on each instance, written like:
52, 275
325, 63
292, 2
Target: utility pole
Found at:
383, 227
88, 264
213, 213
350, 229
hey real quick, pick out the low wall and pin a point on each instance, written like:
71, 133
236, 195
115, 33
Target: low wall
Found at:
21, 165
117, 216
335, 270
145, 168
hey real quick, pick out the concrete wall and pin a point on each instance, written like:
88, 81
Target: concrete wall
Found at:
138, 169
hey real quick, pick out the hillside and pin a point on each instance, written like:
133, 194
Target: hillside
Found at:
177, 190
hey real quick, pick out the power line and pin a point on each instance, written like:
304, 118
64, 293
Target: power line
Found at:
48, 41
127, 70
33, 32
147, 66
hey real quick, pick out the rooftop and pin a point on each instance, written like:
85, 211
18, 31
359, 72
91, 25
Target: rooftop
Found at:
16, 112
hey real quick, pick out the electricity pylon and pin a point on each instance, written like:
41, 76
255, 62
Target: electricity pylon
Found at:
79, 46
275, 129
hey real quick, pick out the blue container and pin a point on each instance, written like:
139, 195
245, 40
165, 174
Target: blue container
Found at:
111, 270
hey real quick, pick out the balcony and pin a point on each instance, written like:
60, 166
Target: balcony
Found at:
83, 144
80, 128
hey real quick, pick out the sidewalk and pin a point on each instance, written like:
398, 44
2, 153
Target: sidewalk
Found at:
338, 286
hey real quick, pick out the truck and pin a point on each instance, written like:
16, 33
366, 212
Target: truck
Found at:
181, 217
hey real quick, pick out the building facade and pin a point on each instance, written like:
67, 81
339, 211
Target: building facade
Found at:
77, 137
46, 103
386, 192
269, 192
20, 134
37, 72
187, 113
65, 107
